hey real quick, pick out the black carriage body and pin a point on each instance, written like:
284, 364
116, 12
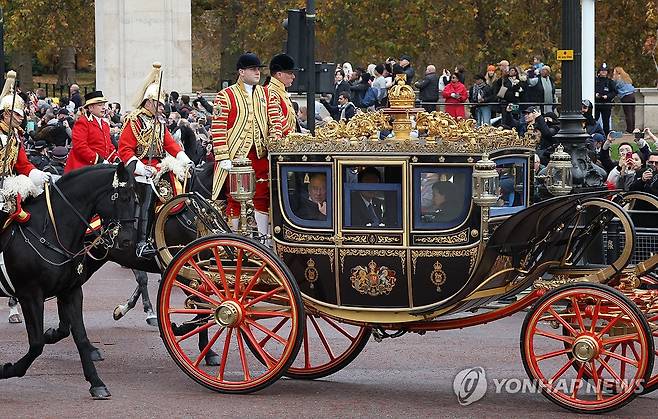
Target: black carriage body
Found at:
412, 265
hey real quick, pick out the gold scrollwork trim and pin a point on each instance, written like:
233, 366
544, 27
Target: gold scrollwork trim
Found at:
303, 238
308, 251
402, 254
388, 239
356, 239
461, 237
471, 253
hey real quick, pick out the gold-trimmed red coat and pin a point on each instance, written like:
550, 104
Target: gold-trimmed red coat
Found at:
241, 121
91, 143
280, 96
13, 159
145, 138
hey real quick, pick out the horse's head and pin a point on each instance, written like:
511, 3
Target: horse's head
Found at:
118, 208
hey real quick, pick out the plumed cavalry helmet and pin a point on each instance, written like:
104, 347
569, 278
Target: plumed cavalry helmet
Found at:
8, 95
149, 87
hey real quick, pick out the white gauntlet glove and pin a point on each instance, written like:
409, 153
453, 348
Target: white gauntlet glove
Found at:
143, 170
39, 177
226, 164
182, 158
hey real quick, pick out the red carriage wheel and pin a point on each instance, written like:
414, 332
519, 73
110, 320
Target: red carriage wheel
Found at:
328, 347
239, 297
604, 359
650, 281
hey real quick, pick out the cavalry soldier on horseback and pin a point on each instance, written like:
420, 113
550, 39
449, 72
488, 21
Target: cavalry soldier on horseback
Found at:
18, 177
145, 140
91, 135
245, 117
282, 74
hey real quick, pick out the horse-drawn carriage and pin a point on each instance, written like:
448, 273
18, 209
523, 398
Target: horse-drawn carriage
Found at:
416, 235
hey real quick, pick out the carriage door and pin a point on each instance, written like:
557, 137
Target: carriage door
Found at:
372, 224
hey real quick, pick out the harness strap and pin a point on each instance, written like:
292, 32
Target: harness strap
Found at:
75, 211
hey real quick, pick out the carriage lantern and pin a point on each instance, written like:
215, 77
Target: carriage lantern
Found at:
485, 182
242, 186
558, 173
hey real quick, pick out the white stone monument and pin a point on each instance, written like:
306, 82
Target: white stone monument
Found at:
131, 35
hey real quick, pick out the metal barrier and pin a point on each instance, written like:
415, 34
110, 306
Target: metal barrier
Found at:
646, 239
55, 90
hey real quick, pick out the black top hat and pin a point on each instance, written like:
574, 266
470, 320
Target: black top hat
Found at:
282, 62
94, 97
248, 60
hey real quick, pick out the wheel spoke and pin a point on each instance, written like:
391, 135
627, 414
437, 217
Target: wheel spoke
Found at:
552, 354
595, 378
196, 331
621, 339
623, 364
263, 297
190, 311
205, 279
238, 274
243, 357
267, 331
269, 314
610, 324
635, 354
267, 358
579, 377
201, 295
561, 320
337, 327
253, 281
621, 358
274, 330
210, 344
595, 316
323, 339
561, 371
222, 363
576, 310
562, 338
307, 355
220, 269
611, 371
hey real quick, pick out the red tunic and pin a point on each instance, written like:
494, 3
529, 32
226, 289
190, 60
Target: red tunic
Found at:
23, 165
128, 143
91, 143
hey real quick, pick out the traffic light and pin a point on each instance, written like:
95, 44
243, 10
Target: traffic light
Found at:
296, 46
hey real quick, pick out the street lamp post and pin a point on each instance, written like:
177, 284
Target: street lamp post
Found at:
572, 134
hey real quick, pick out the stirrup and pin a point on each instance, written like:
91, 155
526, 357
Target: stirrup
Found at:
145, 250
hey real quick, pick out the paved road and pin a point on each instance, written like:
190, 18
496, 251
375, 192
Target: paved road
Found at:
406, 377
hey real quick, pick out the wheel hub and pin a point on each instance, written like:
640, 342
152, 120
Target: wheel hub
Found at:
585, 348
228, 314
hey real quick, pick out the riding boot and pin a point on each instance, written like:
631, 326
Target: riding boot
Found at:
145, 247
263, 224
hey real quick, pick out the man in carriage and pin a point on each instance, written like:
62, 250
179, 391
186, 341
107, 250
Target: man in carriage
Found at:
245, 118
91, 135
146, 140
18, 177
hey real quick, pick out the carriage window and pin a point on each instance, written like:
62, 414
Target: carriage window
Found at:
307, 195
442, 197
372, 197
512, 195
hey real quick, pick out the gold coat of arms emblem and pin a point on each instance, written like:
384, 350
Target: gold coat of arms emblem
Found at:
373, 280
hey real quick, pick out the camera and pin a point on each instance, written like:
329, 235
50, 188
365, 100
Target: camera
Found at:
515, 107
638, 135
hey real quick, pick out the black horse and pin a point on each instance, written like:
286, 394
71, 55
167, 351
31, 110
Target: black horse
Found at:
177, 226
47, 257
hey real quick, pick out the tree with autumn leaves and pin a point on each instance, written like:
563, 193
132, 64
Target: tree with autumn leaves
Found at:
472, 33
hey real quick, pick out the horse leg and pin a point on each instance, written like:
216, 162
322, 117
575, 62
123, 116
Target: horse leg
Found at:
122, 309
33, 313
14, 314
64, 330
73, 309
142, 283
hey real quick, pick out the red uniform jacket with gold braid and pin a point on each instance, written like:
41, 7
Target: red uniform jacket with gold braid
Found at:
91, 143
288, 117
136, 135
240, 122
16, 162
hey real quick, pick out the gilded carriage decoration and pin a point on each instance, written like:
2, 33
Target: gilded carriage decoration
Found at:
373, 281
310, 273
438, 277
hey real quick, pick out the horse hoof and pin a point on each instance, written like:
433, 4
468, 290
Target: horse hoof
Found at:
213, 360
96, 355
15, 318
100, 393
152, 321
118, 312
4, 371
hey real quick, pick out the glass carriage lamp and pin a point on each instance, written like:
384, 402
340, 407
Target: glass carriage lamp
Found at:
558, 173
242, 186
485, 182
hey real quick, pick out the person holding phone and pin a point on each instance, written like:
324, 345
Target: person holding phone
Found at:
624, 148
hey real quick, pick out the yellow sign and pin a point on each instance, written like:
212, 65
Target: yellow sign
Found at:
565, 55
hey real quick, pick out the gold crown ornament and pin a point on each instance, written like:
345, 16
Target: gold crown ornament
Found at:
149, 87
401, 95
8, 95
